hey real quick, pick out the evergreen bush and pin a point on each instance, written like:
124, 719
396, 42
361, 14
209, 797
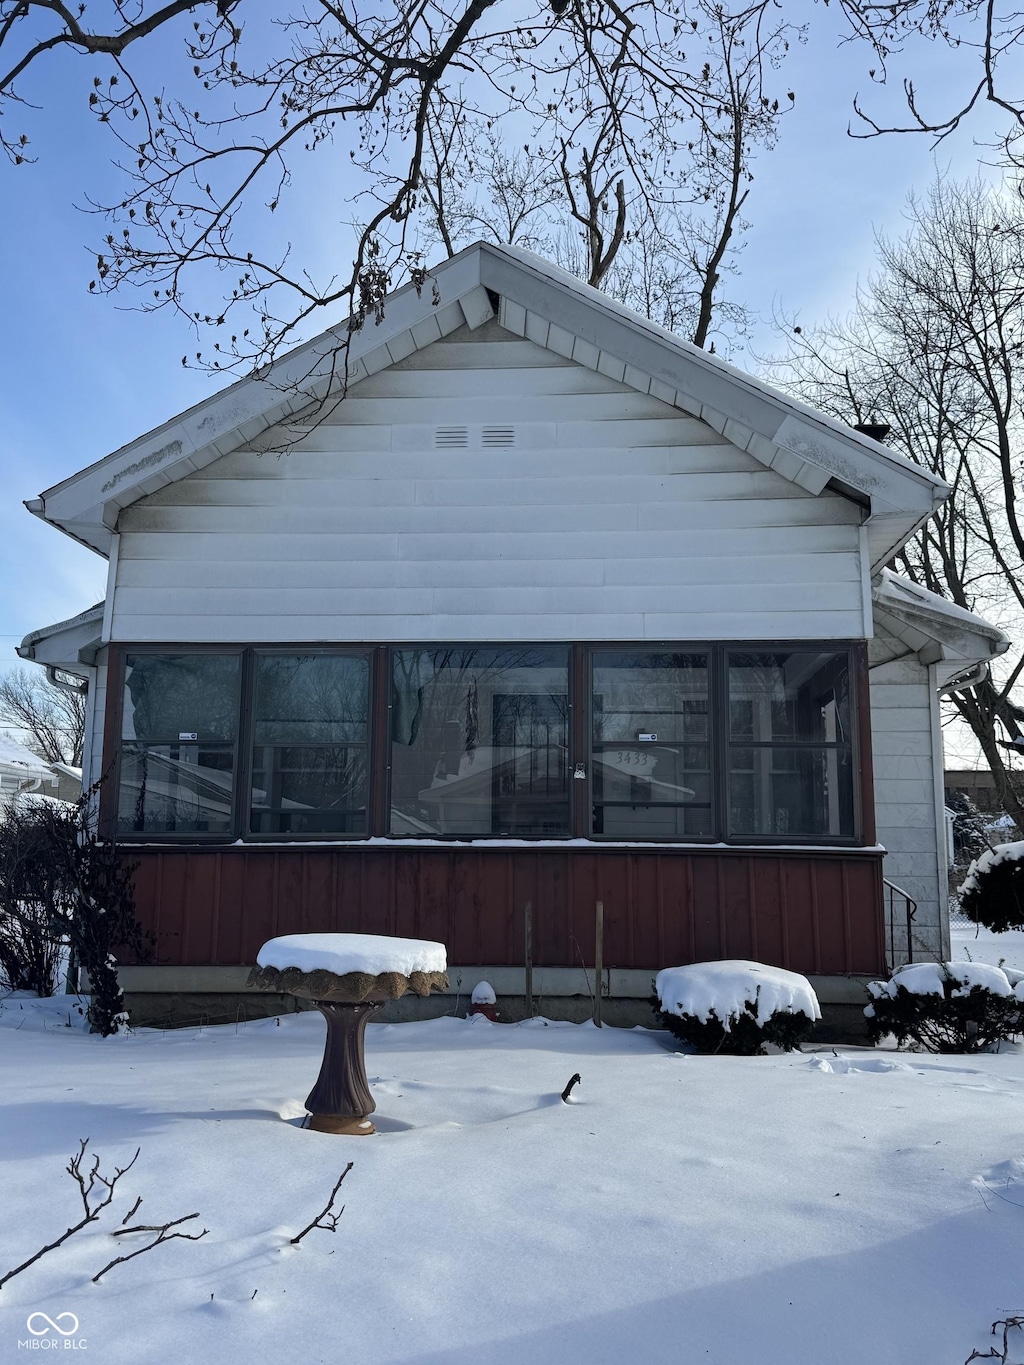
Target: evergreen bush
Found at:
948, 1006
735, 1007
992, 893
743, 1037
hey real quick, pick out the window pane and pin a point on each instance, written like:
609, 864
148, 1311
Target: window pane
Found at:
309, 757
479, 741
790, 755
171, 697
650, 763
780, 791
175, 789
789, 696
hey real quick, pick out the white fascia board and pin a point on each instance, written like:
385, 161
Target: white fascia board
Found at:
247, 408
936, 630
704, 383
67, 644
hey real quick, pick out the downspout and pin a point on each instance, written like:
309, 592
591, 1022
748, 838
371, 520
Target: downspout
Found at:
51, 676
971, 678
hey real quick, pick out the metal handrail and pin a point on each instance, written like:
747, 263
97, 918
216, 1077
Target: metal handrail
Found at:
907, 914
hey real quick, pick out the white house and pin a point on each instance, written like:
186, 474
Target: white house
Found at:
552, 608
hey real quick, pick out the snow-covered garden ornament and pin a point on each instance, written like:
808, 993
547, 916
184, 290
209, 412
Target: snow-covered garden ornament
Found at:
484, 1001
348, 977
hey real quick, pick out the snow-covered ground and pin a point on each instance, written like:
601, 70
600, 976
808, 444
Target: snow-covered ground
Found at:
977, 944
849, 1207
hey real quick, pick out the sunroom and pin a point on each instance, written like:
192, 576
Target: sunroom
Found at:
643, 742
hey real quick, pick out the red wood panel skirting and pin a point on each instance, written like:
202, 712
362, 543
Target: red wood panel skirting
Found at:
812, 911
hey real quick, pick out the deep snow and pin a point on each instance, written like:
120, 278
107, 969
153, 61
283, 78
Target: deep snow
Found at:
851, 1207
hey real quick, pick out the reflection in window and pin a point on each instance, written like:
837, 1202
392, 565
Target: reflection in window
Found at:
790, 746
180, 720
309, 767
651, 765
479, 741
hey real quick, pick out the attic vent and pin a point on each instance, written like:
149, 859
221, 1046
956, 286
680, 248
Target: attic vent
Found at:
498, 436
451, 438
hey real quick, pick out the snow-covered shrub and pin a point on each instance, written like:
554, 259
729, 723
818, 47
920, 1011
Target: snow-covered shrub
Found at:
735, 1007
60, 880
948, 1006
992, 893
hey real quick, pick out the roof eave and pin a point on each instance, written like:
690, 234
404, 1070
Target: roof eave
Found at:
68, 645
547, 306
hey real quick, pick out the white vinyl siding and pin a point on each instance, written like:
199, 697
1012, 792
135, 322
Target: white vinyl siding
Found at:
905, 759
613, 516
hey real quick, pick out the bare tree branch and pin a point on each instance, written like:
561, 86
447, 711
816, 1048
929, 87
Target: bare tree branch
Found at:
935, 348
90, 1184
163, 1234
326, 1219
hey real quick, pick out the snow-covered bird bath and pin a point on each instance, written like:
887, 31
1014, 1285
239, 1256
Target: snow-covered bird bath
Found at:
348, 977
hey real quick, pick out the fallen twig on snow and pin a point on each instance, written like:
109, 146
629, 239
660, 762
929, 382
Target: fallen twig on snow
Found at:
332, 1224
573, 1080
87, 1183
994, 1352
164, 1234
132, 1211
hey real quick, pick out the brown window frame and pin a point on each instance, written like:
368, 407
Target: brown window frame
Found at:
379, 657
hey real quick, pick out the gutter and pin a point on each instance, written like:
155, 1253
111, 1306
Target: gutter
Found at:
971, 678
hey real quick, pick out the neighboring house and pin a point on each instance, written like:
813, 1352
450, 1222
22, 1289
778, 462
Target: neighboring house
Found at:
976, 783
22, 771
553, 608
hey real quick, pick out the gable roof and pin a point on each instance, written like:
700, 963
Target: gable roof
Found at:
536, 300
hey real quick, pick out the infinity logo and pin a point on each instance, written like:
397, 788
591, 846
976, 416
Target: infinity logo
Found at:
49, 1322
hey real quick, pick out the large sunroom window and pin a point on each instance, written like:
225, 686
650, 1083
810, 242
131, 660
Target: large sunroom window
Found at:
790, 744
651, 753
480, 741
674, 742
178, 732
309, 768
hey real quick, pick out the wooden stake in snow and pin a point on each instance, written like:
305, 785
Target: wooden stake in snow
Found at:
598, 961
528, 940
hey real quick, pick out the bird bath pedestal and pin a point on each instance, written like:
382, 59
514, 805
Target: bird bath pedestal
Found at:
341, 1101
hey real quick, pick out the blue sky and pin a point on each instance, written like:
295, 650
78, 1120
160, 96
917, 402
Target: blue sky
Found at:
83, 375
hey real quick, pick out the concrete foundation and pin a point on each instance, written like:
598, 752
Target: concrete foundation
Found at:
189, 997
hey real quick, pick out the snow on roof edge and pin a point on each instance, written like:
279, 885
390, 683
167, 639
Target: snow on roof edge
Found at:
893, 590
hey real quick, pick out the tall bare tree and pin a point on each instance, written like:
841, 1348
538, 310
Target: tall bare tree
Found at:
649, 212
250, 96
935, 348
52, 719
